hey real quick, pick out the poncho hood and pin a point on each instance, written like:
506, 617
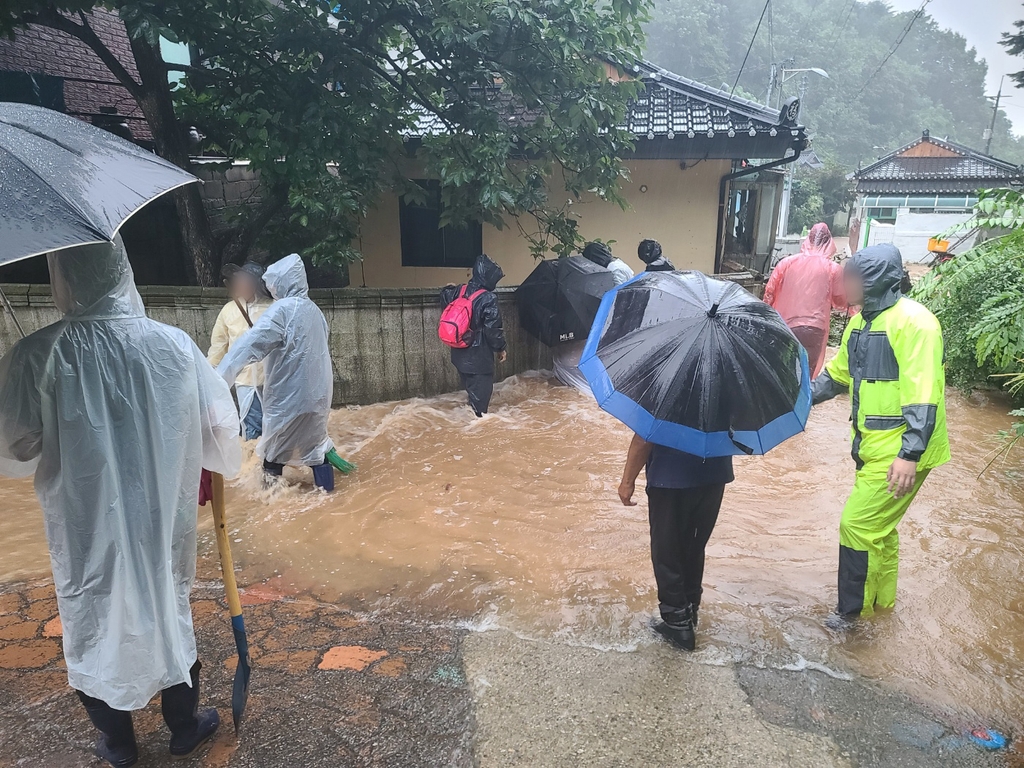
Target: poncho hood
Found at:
880, 267
94, 282
486, 273
287, 278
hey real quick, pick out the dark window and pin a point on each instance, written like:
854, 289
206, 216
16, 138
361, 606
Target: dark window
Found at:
883, 215
28, 88
426, 244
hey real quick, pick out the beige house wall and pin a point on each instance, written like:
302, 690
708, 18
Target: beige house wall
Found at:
679, 208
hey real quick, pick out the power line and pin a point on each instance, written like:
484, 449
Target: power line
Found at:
842, 25
752, 39
899, 40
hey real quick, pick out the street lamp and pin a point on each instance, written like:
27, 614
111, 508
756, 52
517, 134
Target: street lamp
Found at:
787, 188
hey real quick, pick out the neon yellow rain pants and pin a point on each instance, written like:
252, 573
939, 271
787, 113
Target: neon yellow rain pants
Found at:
869, 544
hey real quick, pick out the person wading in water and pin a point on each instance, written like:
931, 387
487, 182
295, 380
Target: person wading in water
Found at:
891, 364
684, 495
805, 288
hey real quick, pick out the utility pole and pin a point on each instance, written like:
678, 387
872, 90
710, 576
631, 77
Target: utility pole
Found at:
787, 182
995, 114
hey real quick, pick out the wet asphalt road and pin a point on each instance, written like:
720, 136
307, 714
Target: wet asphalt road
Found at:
333, 688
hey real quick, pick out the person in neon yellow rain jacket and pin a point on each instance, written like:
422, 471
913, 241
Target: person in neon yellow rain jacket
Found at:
891, 364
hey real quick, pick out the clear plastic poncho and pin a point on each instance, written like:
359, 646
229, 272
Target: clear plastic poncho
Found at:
298, 383
116, 414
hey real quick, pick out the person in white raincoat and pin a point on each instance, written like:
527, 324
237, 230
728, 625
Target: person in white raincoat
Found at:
298, 384
116, 415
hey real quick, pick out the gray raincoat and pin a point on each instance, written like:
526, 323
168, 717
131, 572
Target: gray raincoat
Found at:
298, 381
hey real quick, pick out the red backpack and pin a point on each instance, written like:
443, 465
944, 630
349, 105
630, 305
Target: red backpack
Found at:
456, 320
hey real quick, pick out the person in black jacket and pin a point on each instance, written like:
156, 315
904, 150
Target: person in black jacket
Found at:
475, 363
649, 252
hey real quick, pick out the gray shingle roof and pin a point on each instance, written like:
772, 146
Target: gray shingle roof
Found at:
669, 107
672, 104
968, 171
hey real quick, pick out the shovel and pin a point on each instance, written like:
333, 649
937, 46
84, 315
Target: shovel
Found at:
240, 692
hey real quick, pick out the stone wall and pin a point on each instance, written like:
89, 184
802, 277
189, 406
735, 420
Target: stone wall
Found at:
384, 342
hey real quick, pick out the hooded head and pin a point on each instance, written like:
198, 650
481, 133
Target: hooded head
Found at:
649, 251
878, 271
246, 281
599, 253
819, 242
486, 273
287, 278
94, 282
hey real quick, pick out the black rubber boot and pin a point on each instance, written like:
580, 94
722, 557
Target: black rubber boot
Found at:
184, 744
189, 727
679, 630
841, 622
117, 744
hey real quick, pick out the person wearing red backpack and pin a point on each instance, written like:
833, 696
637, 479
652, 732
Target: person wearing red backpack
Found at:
471, 326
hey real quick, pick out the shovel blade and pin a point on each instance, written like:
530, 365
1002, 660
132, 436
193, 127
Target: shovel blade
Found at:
240, 690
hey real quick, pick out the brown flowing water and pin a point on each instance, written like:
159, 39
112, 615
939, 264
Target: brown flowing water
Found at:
513, 521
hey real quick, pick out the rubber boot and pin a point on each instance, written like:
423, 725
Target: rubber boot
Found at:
189, 727
271, 472
117, 743
323, 476
679, 631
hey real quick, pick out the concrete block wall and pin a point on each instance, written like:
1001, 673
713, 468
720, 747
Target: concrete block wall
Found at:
224, 192
383, 342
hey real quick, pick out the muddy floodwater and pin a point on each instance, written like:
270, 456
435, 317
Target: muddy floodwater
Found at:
513, 521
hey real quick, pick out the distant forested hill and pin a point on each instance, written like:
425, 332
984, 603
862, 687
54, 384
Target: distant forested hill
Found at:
933, 80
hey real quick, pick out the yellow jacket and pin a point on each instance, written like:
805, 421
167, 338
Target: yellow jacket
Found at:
891, 363
227, 330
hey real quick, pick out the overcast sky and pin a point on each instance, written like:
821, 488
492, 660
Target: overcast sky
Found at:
982, 22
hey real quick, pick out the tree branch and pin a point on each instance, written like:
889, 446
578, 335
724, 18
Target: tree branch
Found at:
55, 20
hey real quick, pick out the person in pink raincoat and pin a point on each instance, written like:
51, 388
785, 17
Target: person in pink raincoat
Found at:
805, 288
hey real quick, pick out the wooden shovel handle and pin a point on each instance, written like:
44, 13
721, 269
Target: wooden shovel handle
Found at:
224, 545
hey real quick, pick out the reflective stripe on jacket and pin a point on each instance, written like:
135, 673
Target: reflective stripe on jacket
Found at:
892, 366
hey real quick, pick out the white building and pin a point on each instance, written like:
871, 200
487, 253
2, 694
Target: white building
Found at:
922, 189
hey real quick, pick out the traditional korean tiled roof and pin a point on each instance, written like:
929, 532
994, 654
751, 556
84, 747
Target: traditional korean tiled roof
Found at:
686, 117
942, 166
672, 105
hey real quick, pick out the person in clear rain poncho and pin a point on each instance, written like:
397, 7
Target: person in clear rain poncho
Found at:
298, 383
116, 415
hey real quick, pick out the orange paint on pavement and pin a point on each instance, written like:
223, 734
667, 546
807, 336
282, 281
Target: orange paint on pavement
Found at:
295, 662
53, 628
21, 630
392, 667
10, 603
258, 594
354, 657
219, 755
31, 654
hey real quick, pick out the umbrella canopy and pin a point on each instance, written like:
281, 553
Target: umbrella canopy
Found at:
697, 364
64, 182
560, 299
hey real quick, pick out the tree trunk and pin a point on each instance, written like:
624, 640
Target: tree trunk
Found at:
172, 144
237, 248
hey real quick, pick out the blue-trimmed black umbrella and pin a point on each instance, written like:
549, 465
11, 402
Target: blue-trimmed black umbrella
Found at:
697, 364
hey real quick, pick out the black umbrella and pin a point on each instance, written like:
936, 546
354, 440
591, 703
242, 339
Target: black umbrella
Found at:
560, 299
697, 364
